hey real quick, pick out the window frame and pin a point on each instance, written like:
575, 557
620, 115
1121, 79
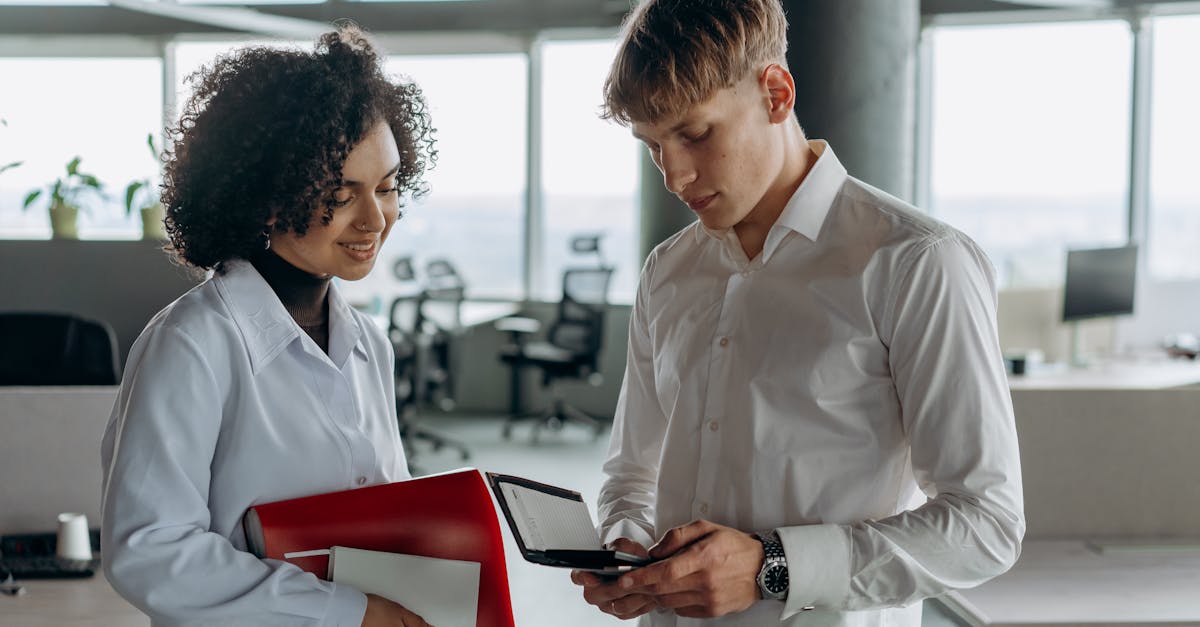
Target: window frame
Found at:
395, 43
1140, 20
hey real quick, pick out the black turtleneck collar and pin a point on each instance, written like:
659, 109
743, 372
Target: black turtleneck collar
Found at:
303, 295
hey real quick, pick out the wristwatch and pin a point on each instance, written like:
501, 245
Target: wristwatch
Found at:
773, 576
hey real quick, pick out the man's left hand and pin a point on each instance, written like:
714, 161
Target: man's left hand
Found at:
706, 570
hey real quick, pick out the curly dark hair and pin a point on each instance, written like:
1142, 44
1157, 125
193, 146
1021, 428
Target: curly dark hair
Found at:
266, 133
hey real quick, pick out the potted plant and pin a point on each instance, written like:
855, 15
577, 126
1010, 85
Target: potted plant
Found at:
143, 194
64, 196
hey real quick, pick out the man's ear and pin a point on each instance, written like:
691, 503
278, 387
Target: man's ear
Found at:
781, 91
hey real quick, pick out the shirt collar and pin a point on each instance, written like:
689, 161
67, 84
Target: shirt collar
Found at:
805, 211
266, 326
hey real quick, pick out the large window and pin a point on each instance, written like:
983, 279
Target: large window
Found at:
473, 215
99, 109
589, 171
1030, 140
1174, 221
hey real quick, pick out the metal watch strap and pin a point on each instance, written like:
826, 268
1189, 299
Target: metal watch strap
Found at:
774, 558
772, 547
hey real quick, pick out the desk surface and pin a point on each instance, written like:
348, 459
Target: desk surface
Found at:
1069, 583
69, 603
1155, 374
471, 313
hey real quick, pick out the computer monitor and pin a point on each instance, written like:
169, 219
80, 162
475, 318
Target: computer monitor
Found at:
1100, 283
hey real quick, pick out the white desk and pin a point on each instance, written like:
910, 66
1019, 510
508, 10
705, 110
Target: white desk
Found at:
1155, 374
1067, 583
69, 603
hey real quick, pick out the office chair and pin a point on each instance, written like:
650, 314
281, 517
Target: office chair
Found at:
571, 349
441, 312
412, 343
56, 349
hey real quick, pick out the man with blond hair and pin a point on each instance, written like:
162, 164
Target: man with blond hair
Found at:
815, 425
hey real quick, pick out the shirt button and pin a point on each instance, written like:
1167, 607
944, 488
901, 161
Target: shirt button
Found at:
361, 480
713, 426
724, 341
704, 508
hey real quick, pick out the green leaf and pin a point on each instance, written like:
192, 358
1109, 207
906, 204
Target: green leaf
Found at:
9, 166
31, 197
130, 191
150, 143
90, 181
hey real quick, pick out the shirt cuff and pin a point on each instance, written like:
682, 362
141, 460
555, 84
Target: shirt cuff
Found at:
628, 529
346, 607
818, 559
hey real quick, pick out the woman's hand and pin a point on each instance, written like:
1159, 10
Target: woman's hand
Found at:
384, 613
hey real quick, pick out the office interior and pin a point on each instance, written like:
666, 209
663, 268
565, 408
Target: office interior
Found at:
1037, 127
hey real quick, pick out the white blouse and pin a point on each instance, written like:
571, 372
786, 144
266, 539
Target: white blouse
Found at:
226, 403
846, 386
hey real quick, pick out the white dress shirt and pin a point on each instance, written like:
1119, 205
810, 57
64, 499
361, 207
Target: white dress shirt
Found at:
845, 387
227, 403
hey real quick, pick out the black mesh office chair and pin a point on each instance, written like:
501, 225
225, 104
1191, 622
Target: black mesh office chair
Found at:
56, 349
416, 369
571, 349
441, 313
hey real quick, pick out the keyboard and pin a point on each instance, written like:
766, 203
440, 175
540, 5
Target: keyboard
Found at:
45, 567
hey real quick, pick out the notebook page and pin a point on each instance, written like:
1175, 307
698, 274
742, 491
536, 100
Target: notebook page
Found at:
443, 592
549, 522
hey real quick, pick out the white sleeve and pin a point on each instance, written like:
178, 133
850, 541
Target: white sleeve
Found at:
158, 551
627, 498
957, 413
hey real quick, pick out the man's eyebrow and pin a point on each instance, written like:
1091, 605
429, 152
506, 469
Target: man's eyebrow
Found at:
391, 173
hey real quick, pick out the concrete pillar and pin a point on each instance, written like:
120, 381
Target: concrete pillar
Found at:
662, 212
855, 64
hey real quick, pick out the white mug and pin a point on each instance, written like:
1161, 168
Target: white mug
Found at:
74, 541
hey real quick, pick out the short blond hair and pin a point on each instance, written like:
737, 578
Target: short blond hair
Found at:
675, 54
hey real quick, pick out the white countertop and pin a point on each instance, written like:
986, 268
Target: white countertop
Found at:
1077, 583
1149, 374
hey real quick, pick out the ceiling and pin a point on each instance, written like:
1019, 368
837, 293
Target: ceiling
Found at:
141, 17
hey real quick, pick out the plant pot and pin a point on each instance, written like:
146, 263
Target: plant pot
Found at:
64, 222
152, 222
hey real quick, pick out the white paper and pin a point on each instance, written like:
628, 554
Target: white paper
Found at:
443, 592
547, 522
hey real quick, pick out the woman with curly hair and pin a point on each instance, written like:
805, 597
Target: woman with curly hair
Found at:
262, 383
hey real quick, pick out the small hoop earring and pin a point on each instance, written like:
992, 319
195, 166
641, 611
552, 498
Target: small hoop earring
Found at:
267, 237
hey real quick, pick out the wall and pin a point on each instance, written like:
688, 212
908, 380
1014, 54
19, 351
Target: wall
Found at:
1110, 463
126, 283
1031, 318
122, 283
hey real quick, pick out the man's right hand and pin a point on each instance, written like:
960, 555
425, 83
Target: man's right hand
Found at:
607, 595
384, 613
